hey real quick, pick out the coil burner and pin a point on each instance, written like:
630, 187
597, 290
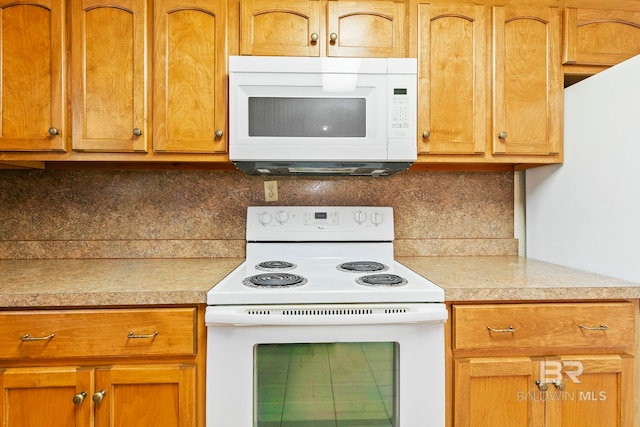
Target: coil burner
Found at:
362, 266
274, 280
275, 266
381, 280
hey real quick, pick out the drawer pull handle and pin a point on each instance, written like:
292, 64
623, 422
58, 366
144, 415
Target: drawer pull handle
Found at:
132, 335
597, 328
509, 329
27, 337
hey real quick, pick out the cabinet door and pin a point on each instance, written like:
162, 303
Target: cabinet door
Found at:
190, 76
277, 27
452, 76
45, 397
600, 37
32, 51
594, 391
528, 81
497, 391
366, 28
146, 395
109, 85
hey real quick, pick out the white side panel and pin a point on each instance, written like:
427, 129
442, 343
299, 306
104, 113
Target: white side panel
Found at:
585, 214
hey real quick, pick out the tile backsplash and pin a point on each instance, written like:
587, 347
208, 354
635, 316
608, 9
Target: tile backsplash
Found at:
169, 214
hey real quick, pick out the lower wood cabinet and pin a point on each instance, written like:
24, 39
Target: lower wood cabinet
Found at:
544, 364
121, 395
147, 372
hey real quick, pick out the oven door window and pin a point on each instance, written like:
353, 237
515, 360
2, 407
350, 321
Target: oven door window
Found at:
326, 384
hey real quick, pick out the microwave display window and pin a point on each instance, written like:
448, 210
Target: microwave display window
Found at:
307, 117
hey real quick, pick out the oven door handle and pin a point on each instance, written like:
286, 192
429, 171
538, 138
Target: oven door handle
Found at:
352, 314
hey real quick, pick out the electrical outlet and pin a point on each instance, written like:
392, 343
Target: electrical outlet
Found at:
271, 191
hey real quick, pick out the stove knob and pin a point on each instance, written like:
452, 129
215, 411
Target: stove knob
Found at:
264, 218
360, 217
377, 218
282, 217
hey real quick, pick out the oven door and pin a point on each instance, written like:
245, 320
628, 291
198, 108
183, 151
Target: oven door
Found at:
326, 365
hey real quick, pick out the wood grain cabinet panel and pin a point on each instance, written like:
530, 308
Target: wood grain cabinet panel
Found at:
600, 37
544, 364
543, 325
452, 78
527, 81
285, 27
351, 28
46, 334
189, 88
102, 367
32, 88
45, 397
108, 75
366, 28
158, 395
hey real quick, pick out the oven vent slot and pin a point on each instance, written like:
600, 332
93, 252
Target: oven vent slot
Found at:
326, 311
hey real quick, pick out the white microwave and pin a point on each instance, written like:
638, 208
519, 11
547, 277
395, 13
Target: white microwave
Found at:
320, 116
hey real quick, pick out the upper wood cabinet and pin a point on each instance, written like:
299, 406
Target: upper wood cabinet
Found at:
490, 84
31, 79
527, 81
598, 37
365, 28
109, 83
189, 88
452, 78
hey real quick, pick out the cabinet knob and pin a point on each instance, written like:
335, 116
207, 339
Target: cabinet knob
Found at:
502, 135
333, 37
98, 396
219, 133
137, 131
558, 384
314, 37
426, 134
79, 398
53, 131
542, 385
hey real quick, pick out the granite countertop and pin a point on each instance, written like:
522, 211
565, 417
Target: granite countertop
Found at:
97, 282
506, 278
102, 282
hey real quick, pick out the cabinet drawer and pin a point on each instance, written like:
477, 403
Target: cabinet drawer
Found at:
543, 325
97, 333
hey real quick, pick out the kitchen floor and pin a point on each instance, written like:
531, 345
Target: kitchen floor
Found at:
326, 385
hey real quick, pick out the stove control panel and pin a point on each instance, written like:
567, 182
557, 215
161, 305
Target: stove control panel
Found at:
321, 218
319, 223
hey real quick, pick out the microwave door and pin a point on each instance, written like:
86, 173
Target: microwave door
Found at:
301, 121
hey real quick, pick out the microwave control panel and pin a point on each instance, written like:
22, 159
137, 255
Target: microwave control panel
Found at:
402, 104
400, 113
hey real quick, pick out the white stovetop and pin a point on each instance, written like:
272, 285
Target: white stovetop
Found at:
326, 284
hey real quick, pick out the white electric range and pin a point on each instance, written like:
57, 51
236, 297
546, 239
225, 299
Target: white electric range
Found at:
323, 281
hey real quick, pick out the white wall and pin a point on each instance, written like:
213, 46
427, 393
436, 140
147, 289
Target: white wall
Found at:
586, 213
